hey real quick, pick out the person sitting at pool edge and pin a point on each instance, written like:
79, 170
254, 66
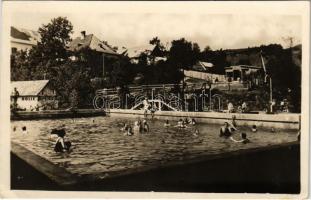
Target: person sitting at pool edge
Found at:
243, 140
225, 130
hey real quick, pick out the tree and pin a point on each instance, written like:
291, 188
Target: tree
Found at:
181, 54
55, 36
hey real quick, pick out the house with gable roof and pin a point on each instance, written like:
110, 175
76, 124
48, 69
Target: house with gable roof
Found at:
103, 54
34, 95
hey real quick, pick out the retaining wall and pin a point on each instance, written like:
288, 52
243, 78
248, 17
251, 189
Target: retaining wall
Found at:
279, 121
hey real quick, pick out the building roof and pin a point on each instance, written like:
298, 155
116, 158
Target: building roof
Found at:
22, 35
92, 42
134, 52
29, 88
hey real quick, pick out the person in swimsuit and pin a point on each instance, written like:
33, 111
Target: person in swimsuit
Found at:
24, 130
225, 130
254, 128
180, 124
167, 124
145, 126
192, 121
61, 144
146, 106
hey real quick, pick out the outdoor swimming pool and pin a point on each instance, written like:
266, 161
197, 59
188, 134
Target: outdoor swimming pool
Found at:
101, 149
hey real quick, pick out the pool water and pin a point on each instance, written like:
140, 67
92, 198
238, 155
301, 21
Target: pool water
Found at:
99, 147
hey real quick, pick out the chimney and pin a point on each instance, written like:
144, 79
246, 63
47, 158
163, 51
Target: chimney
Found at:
83, 33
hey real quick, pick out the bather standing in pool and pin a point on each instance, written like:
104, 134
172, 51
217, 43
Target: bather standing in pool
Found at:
167, 124
225, 130
61, 144
145, 126
137, 127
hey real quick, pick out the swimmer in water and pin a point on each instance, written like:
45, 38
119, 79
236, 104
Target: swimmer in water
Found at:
243, 140
225, 130
180, 124
145, 126
61, 144
24, 130
254, 128
129, 131
192, 122
166, 124
186, 120
125, 127
196, 133
137, 127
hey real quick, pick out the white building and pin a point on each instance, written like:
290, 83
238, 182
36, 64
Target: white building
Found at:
23, 39
34, 95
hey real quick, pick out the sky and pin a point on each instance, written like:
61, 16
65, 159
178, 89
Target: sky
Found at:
125, 25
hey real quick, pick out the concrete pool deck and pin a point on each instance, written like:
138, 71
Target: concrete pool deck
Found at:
279, 121
274, 168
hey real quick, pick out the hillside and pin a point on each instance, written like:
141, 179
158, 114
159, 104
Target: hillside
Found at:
248, 56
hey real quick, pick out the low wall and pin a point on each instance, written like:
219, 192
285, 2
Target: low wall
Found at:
56, 114
279, 121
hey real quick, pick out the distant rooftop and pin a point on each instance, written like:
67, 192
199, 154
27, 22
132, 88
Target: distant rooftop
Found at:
93, 43
24, 35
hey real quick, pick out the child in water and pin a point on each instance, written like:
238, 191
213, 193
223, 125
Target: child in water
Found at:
166, 124
254, 128
145, 126
192, 122
24, 130
137, 127
129, 131
196, 133
180, 124
125, 127
61, 144
225, 130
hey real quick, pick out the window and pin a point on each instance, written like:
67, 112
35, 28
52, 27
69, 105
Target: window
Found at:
14, 50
